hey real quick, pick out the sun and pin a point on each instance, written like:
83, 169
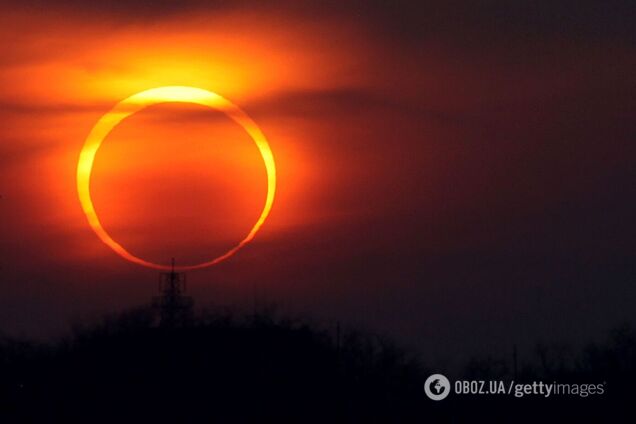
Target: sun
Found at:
134, 104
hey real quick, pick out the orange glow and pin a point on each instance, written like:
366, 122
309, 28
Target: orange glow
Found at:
136, 103
284, 72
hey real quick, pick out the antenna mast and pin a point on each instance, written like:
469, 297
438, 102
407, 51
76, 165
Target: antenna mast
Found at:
175, 309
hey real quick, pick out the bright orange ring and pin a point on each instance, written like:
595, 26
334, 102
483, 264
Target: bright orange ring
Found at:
134, 104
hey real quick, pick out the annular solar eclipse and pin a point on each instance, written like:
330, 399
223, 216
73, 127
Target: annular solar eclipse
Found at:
134, 104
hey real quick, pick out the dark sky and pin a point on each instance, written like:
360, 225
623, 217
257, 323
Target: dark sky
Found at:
457, 175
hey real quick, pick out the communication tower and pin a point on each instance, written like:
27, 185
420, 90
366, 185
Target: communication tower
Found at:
175, 309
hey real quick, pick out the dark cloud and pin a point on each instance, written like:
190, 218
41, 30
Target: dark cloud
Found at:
458, 20
34, 108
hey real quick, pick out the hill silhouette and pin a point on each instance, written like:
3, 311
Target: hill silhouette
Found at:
224, 367
217, 367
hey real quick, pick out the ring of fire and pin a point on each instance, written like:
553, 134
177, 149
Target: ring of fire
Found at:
134, 104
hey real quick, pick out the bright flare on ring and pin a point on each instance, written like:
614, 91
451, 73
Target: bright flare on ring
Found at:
134, 104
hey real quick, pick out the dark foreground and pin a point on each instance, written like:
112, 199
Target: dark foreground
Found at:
219, 368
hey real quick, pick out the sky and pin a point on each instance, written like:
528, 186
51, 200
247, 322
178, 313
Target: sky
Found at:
458, 176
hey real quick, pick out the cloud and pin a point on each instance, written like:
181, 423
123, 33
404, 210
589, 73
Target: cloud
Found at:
459, 20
